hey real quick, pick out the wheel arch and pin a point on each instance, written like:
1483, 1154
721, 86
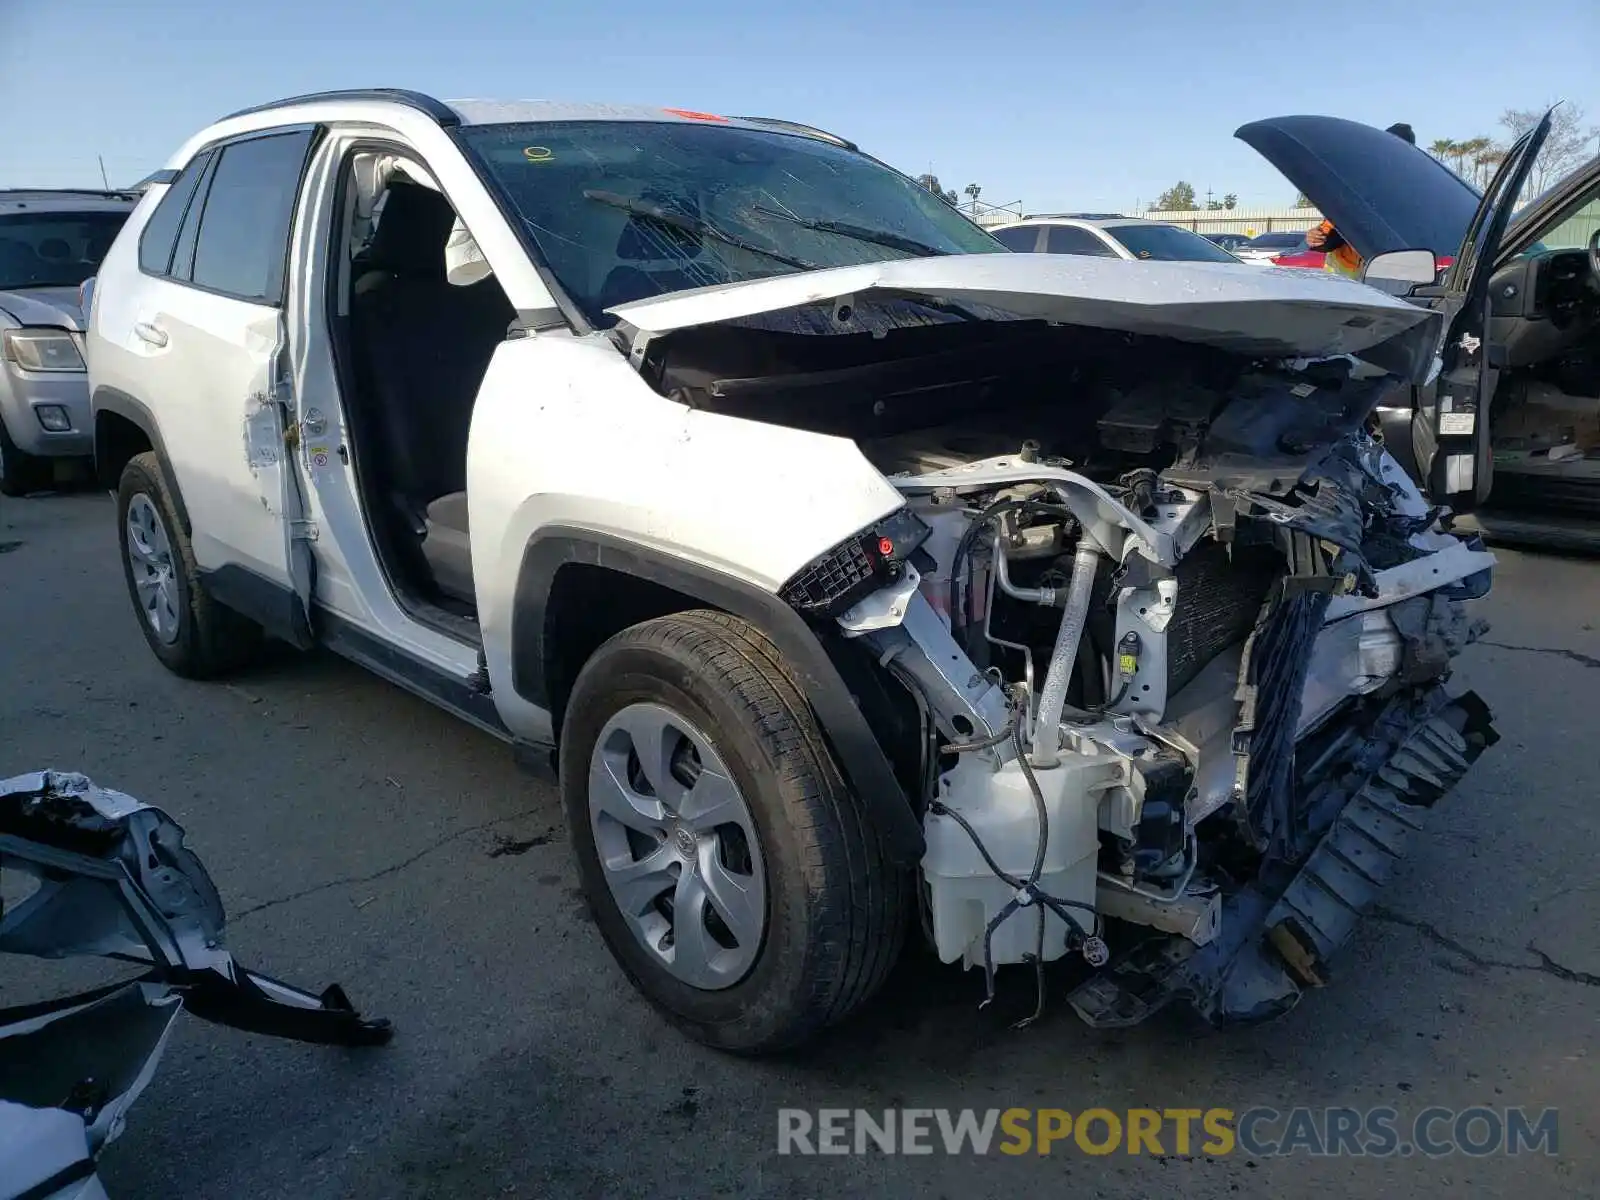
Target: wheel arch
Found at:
575, 588
124, 427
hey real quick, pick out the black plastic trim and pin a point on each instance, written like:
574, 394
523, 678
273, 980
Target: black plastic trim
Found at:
275, 608
779, 125
865, 765
83, 1169
108, 399
436, 109
455, 696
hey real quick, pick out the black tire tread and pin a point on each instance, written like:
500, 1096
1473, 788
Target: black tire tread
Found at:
879, 893
223, 641
861, 915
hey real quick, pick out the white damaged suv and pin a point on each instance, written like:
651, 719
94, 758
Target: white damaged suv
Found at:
859, 577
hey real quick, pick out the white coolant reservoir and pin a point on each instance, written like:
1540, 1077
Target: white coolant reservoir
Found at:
964, 894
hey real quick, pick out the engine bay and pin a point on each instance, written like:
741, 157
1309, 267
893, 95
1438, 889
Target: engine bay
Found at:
1151, 618
1115, 678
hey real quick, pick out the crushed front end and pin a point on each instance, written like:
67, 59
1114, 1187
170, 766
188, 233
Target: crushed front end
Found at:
1180, 703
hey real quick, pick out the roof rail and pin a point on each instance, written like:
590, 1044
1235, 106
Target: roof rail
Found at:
1080, 216
797, 127
107, 193
439, 111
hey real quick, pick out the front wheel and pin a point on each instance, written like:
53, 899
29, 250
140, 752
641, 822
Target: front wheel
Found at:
729, 868
188, 631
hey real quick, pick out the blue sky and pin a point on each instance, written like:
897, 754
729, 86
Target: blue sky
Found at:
1058, 105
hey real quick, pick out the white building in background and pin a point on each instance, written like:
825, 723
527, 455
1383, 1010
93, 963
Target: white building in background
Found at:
1248, 221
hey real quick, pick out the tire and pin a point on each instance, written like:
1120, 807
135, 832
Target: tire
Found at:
835, 908
204, 640
20, 472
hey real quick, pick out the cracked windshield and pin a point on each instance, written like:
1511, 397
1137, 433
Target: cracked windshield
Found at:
627, 210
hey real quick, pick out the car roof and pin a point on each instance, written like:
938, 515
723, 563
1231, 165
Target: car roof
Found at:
63, 200
401, 108
1087, 222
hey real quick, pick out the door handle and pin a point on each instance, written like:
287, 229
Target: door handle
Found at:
146, 332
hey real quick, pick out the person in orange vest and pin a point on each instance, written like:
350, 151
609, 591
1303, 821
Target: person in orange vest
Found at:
1339, 256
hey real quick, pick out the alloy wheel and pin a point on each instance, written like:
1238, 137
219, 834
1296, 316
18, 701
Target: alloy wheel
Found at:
677, 846
155, 582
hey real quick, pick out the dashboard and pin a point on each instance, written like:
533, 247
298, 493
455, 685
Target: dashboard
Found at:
1542, 303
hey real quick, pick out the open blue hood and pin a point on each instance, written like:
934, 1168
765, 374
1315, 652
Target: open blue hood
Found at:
1380, 192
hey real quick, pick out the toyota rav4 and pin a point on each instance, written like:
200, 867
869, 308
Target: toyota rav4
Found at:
854, 575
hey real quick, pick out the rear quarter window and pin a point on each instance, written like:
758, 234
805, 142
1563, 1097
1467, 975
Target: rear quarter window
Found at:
161, 230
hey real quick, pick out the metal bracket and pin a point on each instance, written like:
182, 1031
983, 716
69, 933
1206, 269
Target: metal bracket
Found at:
966, 703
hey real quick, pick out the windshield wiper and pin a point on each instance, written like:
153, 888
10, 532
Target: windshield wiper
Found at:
697, 226
860, 233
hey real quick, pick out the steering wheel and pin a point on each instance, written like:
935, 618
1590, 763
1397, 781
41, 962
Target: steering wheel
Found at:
1594, 256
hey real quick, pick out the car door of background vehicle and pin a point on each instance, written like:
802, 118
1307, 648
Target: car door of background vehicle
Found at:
1451, 432
1023, 239
1074, 239
216, 316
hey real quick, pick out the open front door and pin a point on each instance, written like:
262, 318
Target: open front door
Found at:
1451, 434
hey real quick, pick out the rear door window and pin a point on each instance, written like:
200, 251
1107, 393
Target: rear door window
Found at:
242, 247
1071, 239
1024, 239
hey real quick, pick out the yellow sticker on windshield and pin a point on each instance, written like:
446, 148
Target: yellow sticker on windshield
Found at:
537, 153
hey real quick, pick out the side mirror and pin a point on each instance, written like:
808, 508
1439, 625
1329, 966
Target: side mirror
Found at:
1398, 271
86, 298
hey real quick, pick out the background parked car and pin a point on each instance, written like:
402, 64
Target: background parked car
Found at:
1110, 237
1269, 249
51, 241
1230, 242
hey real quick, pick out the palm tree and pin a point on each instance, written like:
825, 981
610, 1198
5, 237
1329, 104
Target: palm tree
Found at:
1442, 149
1485, 162
1469, 151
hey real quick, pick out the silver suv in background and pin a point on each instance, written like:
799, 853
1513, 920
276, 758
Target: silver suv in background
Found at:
51, 242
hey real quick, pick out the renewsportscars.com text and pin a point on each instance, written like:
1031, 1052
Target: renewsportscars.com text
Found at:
1258, 1132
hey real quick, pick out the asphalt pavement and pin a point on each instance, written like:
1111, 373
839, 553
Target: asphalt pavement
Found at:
360, 836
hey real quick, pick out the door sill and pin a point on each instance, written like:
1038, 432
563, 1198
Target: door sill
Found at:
464, 698
441, 620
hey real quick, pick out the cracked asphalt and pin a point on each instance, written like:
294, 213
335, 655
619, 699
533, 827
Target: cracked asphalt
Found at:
360, 836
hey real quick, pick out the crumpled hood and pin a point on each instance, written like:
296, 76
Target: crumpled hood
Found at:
1380, 192
56, 306
1265, 312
